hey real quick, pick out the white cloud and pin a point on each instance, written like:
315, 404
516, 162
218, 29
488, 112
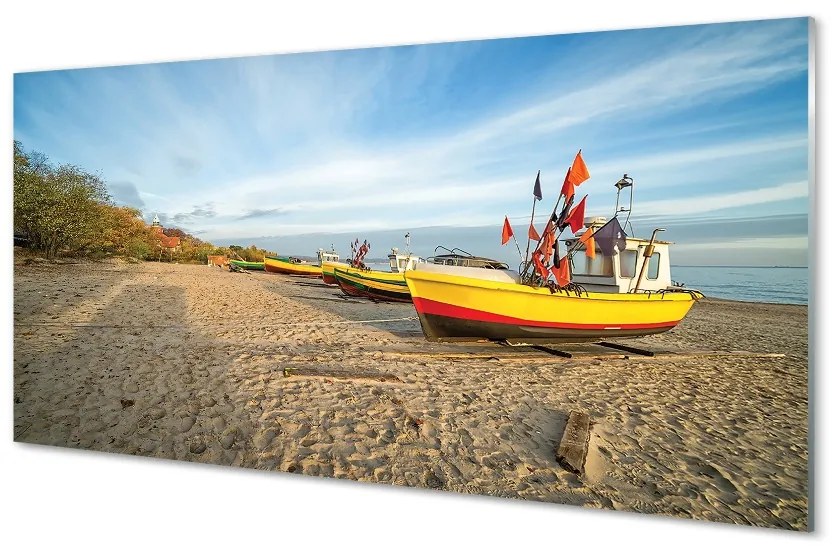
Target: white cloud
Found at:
709, 203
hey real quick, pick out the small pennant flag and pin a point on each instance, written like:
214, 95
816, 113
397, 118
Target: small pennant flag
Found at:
578, 172
575, 219
556, 258
537, 189
507, 231
561, 273
588, 242
532, 233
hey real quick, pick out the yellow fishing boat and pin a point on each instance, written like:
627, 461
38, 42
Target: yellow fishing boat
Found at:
387, 286
328, 272
622, 291
291, 265
465, 304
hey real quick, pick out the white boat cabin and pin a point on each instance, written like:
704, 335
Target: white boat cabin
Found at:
324, 256
626, 271
400, 262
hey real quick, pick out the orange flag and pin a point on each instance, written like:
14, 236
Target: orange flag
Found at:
548, 242
532, 233
588, 242
561, 274
507, 231
578, 173
568, 187
539, 265
575, 219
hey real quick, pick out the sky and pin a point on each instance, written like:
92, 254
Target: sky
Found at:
300, 151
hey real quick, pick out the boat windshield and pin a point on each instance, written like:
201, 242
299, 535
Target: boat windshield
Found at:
599, 266
397, 264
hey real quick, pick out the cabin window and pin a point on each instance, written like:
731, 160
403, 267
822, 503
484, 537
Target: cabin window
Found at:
627, 262
402, 265
393, 262
653, 266
599, 266
450, 262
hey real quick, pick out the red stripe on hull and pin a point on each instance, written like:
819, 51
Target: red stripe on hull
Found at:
425, 306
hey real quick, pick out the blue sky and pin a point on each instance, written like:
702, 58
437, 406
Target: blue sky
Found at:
299, 151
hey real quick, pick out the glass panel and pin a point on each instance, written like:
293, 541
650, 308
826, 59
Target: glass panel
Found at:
627, 262
597, 266
653, 266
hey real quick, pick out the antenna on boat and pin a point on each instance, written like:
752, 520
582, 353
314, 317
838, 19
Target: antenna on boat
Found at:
623, 183
408, 243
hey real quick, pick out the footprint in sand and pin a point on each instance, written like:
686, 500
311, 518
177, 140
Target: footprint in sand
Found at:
186, 424
718, 479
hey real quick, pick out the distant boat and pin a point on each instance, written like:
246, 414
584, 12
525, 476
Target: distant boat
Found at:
386, 286
328, 272
258, 266
290, 265
376, 285
462, 258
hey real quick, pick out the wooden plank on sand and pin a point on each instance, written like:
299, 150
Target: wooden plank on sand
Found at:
571, 452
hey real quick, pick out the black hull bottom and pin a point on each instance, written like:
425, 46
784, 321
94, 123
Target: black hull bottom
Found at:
450, 329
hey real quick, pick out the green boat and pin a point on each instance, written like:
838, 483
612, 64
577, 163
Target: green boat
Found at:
259, 266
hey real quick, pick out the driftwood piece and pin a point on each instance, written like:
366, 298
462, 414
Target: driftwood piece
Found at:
571, 452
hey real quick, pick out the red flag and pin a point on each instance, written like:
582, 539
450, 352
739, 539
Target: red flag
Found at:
588, 242
575, 219
532, 233
568, 187
561, 274
578, 173
507, 231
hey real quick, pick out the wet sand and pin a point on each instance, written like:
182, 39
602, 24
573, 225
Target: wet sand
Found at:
281, 373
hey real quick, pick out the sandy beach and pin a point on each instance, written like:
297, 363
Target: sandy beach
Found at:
280, 373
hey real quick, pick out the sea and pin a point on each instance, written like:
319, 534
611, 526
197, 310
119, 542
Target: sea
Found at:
775, 285
779, 285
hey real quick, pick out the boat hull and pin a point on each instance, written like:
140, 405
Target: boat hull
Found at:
283, 265
254, 266
328, 273
376, 285
452, 307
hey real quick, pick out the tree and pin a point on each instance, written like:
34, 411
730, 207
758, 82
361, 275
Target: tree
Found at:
55, 207
125, 233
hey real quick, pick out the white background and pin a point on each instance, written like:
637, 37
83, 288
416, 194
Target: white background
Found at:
59, 497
